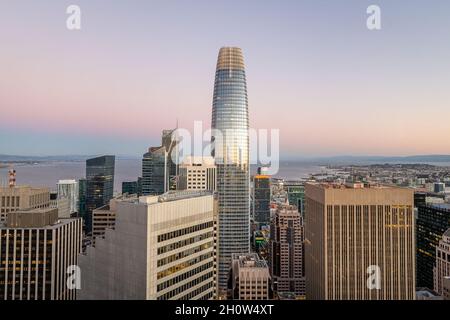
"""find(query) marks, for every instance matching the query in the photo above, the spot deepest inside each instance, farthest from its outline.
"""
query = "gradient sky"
(314, 71)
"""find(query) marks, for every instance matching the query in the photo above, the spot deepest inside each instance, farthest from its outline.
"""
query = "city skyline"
(315, 72)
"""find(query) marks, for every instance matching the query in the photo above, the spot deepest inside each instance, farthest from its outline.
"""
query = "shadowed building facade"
(230, 139)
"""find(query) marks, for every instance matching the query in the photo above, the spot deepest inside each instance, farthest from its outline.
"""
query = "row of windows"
(10, 201)
(183, 265)
(186, 242)
(182, 232)
(184, 276)
(183, 254)
(188, 285)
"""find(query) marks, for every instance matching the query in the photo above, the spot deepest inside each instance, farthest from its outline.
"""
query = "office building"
(261, 199)
(161, 248)
(36, 250)
(442, 265)
(230, 138)
(286, 257)
(99, 185)
(197, 173)
(296, 195)
(159, 169)
(250, 277)
(22, 197)
(105, 217)
(69, 189)
(62, 204)
(82, 191)
(439, 187)
(130, 187)
(432, 221)
(359, 242)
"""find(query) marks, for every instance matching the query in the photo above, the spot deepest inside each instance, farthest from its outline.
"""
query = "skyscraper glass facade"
(99, 185)
(230, 139)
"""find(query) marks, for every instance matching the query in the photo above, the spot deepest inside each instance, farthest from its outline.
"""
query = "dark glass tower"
(154, 171)
(230, 139)
(432, 221)
(99, 185)
(159, 171)
(261, 199)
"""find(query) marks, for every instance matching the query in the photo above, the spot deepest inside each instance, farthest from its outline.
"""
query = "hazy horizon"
(314, 71)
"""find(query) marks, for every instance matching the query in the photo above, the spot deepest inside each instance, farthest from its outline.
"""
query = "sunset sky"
(314, 71)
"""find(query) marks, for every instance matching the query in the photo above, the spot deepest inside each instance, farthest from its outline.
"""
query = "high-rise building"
(250, 277)
(82, 191)
(432, 221)
(22, 197)
(230, 140)
(197, 173)
(296, 195)
(69, 189)
(359, 242)
(286, 257)
(37, 249)
(99, 185)
(159, 170)
(442, 266)
(130, 187)
(105, 217)
(261, 199)
(62, 204)
(162, 247)
(154, 171)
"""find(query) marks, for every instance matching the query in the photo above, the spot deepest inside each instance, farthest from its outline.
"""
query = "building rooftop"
(172, 196)
(249, 260)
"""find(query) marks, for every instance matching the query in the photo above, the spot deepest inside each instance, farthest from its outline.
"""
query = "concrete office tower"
(36, 249)
(432, 221)
(21, 198)
(359, 242)
(250, 277)
(162, 247)
(442, 266)
(261, 199)
(62, 204)
(197, 173)
(230, 140)
(69, 189)
(99, 185)
(105, 217)
(286, 257)
(159, 167)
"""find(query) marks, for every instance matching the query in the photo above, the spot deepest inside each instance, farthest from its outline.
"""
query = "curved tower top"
(230, 58)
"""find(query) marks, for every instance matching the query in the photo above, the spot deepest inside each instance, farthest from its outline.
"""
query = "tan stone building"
(442, 267)
(250, 277)
(197, 173)
(359, 242)
(286, 258)
(21, 198)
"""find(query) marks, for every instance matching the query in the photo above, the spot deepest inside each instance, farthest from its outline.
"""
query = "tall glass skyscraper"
(99, 185)
(230, 139)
